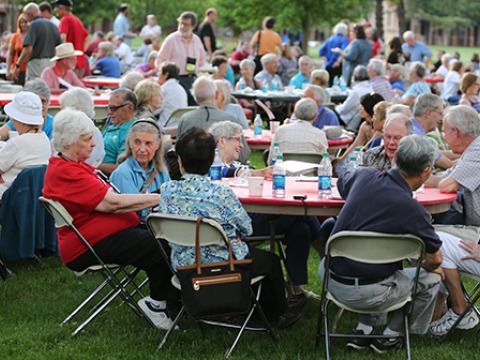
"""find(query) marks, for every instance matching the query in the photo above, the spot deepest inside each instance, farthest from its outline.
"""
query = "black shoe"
(286, 321)
(358, 343)
(381, 346)
(296, 303)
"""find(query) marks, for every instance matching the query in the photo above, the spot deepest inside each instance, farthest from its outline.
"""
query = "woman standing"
(14, 50)
(265, 41)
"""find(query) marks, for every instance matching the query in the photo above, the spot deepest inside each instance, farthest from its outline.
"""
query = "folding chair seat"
(180, 230)
(117, 279)
(371, 248)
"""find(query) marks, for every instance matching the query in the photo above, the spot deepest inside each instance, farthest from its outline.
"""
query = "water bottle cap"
(275, 144)
(279, 157)
(325, 154)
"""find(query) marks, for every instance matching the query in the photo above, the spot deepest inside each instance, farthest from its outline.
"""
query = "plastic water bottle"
(242, 86)
(265, 88)
(336, 82)
(278, 178)
(275, 153)
(216, 168)
(257, 127)
(356, 159)
(359, 159)
(274, 85)
(325, 177)
(343, 84)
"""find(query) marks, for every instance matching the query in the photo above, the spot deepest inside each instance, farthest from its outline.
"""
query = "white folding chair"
(115, 276)
(371, 248)
(180, 230)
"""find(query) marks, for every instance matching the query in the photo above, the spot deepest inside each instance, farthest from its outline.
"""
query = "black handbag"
(215, 289)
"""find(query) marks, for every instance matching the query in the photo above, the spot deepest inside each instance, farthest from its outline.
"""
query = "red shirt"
(79, 190)
(76, 34)
(237, 55)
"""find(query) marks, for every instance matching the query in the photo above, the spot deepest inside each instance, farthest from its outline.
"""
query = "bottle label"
(324, 183)
(215, 173)
(278, 182)
(257, 130)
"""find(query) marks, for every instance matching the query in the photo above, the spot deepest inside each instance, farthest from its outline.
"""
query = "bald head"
(31, 11)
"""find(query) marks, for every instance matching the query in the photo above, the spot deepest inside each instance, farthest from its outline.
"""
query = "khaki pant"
(35, 68)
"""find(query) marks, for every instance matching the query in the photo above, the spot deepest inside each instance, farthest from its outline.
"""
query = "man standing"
(39, 44)
(185, 49)
(204, 92)
(378, 82)
(206, 33)
(121, 109)
(121, 26)
(72, 31)
(46, 12)
(305, 67)
(418, 50)
(382, 202)
(382, 157)
(325, 116)
(462, 133)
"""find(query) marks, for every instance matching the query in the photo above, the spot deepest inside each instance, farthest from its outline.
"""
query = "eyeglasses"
(236, 138)
(116, 107)
(438, 112)
(390, 138)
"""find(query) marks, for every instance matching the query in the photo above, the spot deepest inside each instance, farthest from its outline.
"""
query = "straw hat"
(26, 108)
(65, 50)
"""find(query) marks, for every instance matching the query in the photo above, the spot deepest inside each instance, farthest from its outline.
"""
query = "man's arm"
(448, 185)
(444, 162)
(22, 59)
(432, 261)
(207, 40)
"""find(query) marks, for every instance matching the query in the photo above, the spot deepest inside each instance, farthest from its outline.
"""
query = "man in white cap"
(31, 147)
(61, 75)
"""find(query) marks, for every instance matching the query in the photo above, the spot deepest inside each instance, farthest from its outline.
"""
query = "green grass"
(38, 297)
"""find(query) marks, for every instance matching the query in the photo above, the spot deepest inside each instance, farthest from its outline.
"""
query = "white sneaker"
(444, 324)
(159, 318)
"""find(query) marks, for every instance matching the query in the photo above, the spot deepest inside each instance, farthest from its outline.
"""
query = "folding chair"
(116, 277)
(180, 230)
(177, 114)
(370, 248)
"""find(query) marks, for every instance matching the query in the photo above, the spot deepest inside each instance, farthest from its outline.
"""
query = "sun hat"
(65, 50)
(26, 108)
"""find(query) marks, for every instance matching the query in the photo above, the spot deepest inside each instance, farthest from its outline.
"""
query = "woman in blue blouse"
(142, 168)
(196, 196)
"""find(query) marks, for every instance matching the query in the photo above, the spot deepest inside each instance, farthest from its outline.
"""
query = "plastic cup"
(274, 126)
(255, 185)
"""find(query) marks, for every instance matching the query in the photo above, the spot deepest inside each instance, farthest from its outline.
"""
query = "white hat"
(26, 108)
(65, 50)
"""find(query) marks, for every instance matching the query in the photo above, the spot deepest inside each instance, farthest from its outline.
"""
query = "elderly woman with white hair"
(333, 62)
(80, 99)
(142, 167)
(247, 69)
(106, 219)
(31, 146)
(223, 101)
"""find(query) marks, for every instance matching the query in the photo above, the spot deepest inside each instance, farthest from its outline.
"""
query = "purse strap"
(258, 41)
(150, 179)
(197, 247)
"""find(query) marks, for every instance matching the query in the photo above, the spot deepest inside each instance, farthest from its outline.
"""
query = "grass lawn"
(38, 297)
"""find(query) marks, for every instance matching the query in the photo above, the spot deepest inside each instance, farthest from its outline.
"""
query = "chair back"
(59, 213)
(375, 248)
(307, 156)
(180, 229)
(177, 114)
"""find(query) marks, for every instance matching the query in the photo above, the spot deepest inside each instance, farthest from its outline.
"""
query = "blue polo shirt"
(298, 80)
(114, 138)
(381, 202)
(325, 117)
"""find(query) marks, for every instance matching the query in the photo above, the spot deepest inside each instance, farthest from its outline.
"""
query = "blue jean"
(299, 231)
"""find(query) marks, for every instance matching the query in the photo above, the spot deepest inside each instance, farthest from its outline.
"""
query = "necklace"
(64, 157)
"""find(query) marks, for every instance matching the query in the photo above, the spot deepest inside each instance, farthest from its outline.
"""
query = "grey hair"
(377, 66)
(79, 99)
(108, 47)
(38, 87)
(248, 62)
(306, 109)
(463, 118)
(408, 34)
(397, 118)
(189, 15)
(360, 73)
(127, 95)
(340, 29)
(153, 55)
(319, 93)
(414, 154)
(267, 58)
(224, 129)
(305, 57)
(204, 89)
(145, 126)
(419, 68)
(223, 86)
(130, 80)
(425, 102)
(68, 126)
(446, 58)
(399, 109)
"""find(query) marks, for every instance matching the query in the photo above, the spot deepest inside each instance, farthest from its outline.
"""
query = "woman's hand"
(472, 248)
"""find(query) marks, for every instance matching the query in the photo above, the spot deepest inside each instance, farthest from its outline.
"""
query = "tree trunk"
(306, 29)
(402, 21)
(379, 17)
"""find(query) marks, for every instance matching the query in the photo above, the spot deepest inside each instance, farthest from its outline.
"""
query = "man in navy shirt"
(383, 202)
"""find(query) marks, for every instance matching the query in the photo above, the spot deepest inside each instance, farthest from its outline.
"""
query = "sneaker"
(287, 321)
(381, 346)
(358, 343)
(296, 302)
(444, 324)
(158, 317)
